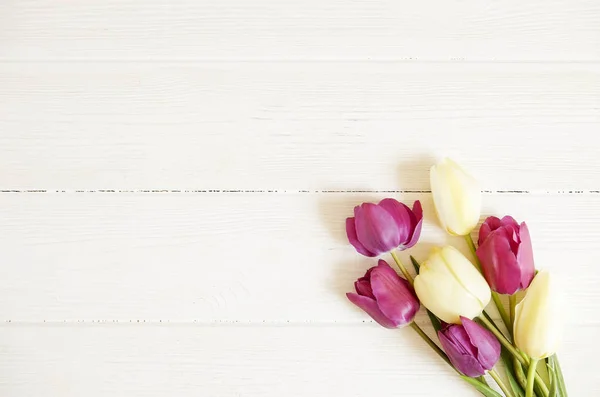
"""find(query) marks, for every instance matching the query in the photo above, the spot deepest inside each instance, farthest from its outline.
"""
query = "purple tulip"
(506, 254)
(379, 228)
(385, 296)
(472, 349)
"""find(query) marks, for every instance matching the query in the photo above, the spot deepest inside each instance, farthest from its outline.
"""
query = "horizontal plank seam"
(408, 60)
(7, 323)
(205, 323)
(274, 191)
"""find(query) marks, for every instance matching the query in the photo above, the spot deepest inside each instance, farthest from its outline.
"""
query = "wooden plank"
(237, 258)
(224, 361)
(296, 126)
(43, 30)
(148, 360)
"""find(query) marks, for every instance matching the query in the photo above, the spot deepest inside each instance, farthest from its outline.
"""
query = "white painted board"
(174, 178)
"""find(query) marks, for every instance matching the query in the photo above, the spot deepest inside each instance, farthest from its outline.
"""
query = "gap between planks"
(372, 60)
(277, 191)
(422, 322)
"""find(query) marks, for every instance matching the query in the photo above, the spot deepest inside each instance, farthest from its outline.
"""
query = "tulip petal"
(490, 224)
(511, 225)
(456, 197)
(525, 256)
(449, 286)
(370, 307)
(465, 363)
(458, 335)
(376, 228)
(402, 215)
(393, 294)
(538, 325)
(363, 287)
(418, 223)
(488, 347)
(509, 221)
(498, 263)
(353, 239)
(513, 238)
(467, 275)
(443, 203)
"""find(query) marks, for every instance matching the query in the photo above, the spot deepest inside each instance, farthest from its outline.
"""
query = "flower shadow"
(413, 174)
(334, 208)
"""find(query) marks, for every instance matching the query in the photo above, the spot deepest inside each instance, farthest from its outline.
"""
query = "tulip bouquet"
(457, 293)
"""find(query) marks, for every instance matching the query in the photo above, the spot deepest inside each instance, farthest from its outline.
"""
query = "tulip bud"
(538, 323)
(505, 254)
(385, 296)
(472, 349)
(456, 197)
(450, 287)
(380, 228)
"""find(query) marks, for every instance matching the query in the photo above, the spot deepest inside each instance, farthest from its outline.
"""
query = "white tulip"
(449, 286)
(538, 323)
(456, 197)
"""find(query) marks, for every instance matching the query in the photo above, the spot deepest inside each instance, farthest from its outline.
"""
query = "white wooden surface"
(175, 176)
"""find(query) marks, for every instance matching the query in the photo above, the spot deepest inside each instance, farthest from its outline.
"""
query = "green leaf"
(507, 359)
(553, 382)
(487, 316)
(483, 389)
(415, 264)
(437, 325)
(482, 380)
(520, 373)
(560, 381)
(514, 384)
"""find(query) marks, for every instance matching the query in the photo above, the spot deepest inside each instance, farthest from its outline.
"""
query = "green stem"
(522, 358)
(431, 343)
(407, 275)
(531, 377)
(512, 303)
(495, 295)
(540, 383)
(559, 377)
(479, 383)
(519, 373)
(502, 339)
(502, 311)
(471, 245)
(481, 387)
(489, 318)
(501, 384)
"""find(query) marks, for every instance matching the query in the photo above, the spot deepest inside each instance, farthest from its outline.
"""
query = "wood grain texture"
(237, 258)
(174, 178)
(469, 30)
(149, 360)
(297, 126)
(152, 360)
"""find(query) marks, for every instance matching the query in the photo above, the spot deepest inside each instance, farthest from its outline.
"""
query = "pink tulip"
(380, 228)
(472, 349)
(385, 296)
(506, 254)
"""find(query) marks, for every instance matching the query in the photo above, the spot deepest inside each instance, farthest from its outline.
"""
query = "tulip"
(450, 287)
(505, 254)
(472, 349)
(380, 228)
(538, 323)
(456, 197)
(385, 296)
